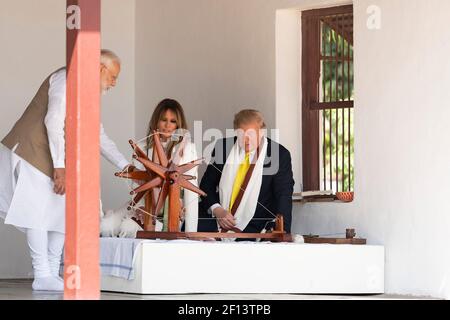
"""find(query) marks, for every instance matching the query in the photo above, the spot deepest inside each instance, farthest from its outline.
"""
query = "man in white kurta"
(33, 200)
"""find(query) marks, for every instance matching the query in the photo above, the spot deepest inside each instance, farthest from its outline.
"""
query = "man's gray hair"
(108, 57)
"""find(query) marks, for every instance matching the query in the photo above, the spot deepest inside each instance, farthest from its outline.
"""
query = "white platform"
(197, 267)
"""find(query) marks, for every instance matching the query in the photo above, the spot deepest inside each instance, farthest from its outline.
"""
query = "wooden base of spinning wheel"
(278, 235)
(209, 236)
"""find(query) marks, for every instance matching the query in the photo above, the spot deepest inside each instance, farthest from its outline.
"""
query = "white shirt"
(55, 123)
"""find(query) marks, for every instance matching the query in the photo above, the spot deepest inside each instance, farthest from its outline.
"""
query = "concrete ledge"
(201, 267)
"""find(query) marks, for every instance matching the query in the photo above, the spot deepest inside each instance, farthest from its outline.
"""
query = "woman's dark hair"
(158, 114)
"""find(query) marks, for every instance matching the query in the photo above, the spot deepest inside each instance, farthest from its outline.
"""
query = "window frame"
(311, 105)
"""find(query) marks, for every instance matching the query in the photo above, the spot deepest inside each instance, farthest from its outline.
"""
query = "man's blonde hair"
(249, 116)
(107, 57)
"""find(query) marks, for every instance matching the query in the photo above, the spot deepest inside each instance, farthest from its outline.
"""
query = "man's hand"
(224, 218)
(59, 180)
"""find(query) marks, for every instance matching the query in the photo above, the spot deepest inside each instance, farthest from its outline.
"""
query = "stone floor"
(21, 290)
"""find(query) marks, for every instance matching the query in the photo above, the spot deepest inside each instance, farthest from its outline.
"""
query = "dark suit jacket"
(276, 188)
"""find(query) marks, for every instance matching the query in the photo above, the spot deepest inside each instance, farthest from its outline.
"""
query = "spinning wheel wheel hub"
(173, 176)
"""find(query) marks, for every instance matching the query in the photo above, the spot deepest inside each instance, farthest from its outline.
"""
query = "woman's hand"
(59, 180)
(225, 219)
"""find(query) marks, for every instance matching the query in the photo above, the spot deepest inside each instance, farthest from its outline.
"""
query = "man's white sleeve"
(110, 151)
(56, 117)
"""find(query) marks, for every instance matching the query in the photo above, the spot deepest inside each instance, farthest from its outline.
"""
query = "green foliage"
(337, 126)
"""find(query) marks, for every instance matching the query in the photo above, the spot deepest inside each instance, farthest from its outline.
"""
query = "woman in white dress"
(168, 119)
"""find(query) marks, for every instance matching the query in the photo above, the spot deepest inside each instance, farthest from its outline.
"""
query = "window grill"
(328, 94)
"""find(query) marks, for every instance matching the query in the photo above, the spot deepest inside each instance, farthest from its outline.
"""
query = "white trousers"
(46, 249)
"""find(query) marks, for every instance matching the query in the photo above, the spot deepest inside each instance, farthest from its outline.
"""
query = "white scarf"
(247, 206)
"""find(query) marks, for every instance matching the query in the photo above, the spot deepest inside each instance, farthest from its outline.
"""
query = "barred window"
(327, 93)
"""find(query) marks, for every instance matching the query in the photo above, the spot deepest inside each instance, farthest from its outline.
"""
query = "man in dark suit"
(248, 182)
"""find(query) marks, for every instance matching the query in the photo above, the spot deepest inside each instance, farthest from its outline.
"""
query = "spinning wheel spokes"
(162, 197)
(137, 198)
(160, 150)
(189, 166)
(184, 183)
(134, 175)
(156, 182)
(138, 150)
(156, 168)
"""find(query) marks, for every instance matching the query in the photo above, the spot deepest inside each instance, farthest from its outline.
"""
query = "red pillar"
(81, 262)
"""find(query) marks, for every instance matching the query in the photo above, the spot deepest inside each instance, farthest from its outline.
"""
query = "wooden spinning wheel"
(164, 174)
(160, 173)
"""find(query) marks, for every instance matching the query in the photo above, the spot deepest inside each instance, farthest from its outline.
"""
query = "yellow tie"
(240, 176)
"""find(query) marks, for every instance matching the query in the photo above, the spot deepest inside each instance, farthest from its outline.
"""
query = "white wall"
(397, 195)
(401, 148)
(219, 56)
(208, 54)
(288, 83)
(28, 54)
(32, 34)
(118, 112)
(215, 57)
